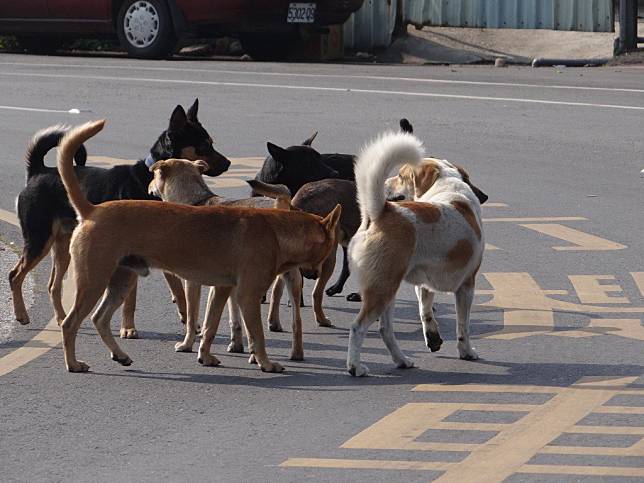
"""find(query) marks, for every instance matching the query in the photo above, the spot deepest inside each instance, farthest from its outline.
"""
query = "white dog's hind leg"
(371, 309)
(464, 297)
(389, 337)
(430, 326)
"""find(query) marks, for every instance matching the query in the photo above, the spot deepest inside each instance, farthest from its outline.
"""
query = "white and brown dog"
(434, 242)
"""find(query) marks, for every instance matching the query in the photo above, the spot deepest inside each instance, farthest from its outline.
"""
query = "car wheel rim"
(141, 24)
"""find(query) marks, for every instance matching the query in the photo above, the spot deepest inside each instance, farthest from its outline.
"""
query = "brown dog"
(229, 248)
(181, 181)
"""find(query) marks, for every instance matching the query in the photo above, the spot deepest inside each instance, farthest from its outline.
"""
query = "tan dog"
(181, 181)
(229, 248)
(434, 242)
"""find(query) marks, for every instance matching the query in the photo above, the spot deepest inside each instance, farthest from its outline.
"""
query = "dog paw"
(434, 341)
(128, 333)
(23, 319)
(354, 297)
(275, 326)
(467, 353)
(235, 347)
(331, 291)
(358, 371)
(272, 367)
(324, 322)
(252, 359)
(297, 355)
(183, 347)
(77, 366)
(405, 363)
(124, 361)
(208, 360)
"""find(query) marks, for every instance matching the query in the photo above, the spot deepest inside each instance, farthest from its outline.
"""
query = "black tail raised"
(42, 142)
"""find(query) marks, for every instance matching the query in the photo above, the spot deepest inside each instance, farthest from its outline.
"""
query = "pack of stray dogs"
(422, 225)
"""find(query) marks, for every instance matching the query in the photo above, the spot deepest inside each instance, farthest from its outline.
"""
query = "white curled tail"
(376, 161)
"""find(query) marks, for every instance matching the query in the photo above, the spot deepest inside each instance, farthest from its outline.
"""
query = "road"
(558, 393)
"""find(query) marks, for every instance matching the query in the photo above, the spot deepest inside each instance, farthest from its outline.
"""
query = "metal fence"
(372, 25)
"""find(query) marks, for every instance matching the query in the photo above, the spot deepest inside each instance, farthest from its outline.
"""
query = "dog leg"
(274, 323)
(426, 310)
(87, 294)
(464, 297)
(216, 301)
(389, 337)
(61, 259)
(374, 304)
(251, 311)
(318, 290)
(128, 331)
(193, 297)
(294, 283)
(178, 295)
(338, 286)
(120, 286)
(236, 344)
(17, 276)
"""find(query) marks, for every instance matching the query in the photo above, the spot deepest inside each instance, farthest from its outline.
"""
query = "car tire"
(265, 46)
(39, 45)
(144, 28)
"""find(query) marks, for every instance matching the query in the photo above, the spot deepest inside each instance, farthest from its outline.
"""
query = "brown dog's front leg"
(178, 295)
(216, 302)
(294, 283)
(250, 306)
(236, 344)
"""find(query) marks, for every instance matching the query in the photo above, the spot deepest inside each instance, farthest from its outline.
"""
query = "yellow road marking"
(42, 342)
(630, 328)
(505, 453)
(254, 161)
(636, 449)
(399, 430)
(487, 388)
(580, 470)
(364, 464)
(515, 443)
(9, 217)
(494, 205)
(639, 281)
(590, 291)
(579, 239)
(626, 430)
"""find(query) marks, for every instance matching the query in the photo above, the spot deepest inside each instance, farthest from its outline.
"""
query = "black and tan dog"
(47, 219)
(241, 249)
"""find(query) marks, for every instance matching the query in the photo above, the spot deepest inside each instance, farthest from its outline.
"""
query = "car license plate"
(301, 13)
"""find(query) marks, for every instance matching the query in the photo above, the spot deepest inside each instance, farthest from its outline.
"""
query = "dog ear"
(479, 194)
(309, 140)
(405, 126)
(178, 119)
(202, 165)
(330, 221)
(158, 179)
(192, 112)
(279, 154)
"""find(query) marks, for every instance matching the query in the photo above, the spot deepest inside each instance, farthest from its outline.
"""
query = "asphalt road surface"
(558, 394)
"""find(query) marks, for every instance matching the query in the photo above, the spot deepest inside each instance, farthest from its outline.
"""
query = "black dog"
(296, 166)
(47, 219)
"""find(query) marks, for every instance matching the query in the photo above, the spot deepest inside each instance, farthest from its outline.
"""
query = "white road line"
(332, 76)
(33, 109)
(326, 89)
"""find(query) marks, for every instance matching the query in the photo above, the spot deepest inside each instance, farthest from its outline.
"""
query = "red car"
(152, 28)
